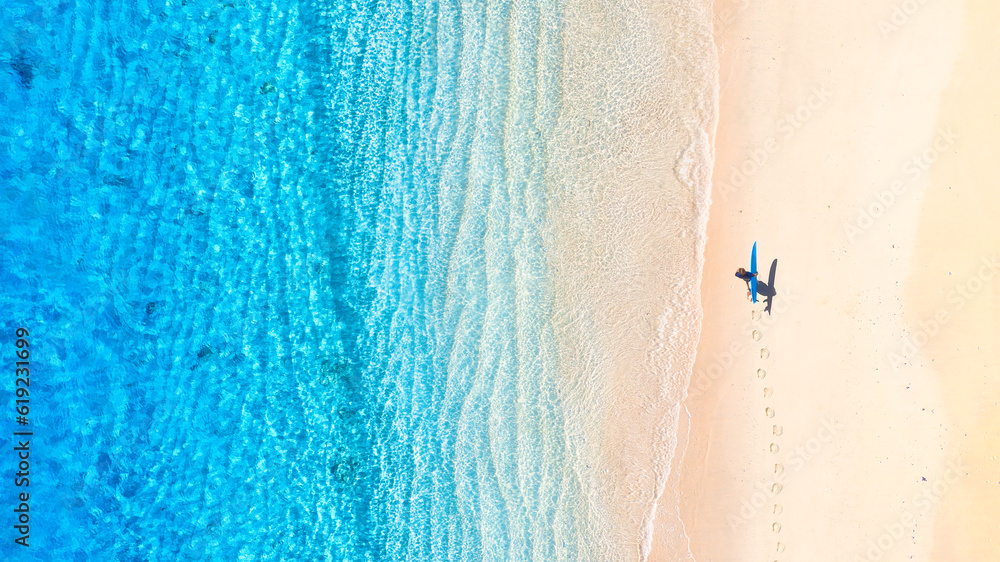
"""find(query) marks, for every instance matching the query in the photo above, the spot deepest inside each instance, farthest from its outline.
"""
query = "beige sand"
(955, 277)
(849, 131)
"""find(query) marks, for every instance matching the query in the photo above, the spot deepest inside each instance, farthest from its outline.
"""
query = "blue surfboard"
(753, 269)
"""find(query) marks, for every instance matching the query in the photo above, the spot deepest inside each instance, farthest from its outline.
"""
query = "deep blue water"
(285, 282)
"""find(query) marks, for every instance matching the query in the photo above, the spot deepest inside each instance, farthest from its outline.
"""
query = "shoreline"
(629, 176)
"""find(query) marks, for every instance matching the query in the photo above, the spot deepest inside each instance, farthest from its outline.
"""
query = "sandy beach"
(852, 413)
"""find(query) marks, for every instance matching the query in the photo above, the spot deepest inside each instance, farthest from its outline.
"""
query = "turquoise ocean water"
(284, 268)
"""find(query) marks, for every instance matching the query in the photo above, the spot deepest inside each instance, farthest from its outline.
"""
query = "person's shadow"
(767, 289)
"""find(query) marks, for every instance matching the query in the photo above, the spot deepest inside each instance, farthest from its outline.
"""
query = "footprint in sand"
(775, 429)
(755, 315)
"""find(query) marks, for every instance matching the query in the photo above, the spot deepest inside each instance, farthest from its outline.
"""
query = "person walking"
(746, 276)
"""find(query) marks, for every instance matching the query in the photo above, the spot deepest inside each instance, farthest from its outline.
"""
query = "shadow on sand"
(767, 290)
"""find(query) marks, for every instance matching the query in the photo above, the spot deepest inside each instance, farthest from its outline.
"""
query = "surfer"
(746, 276)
